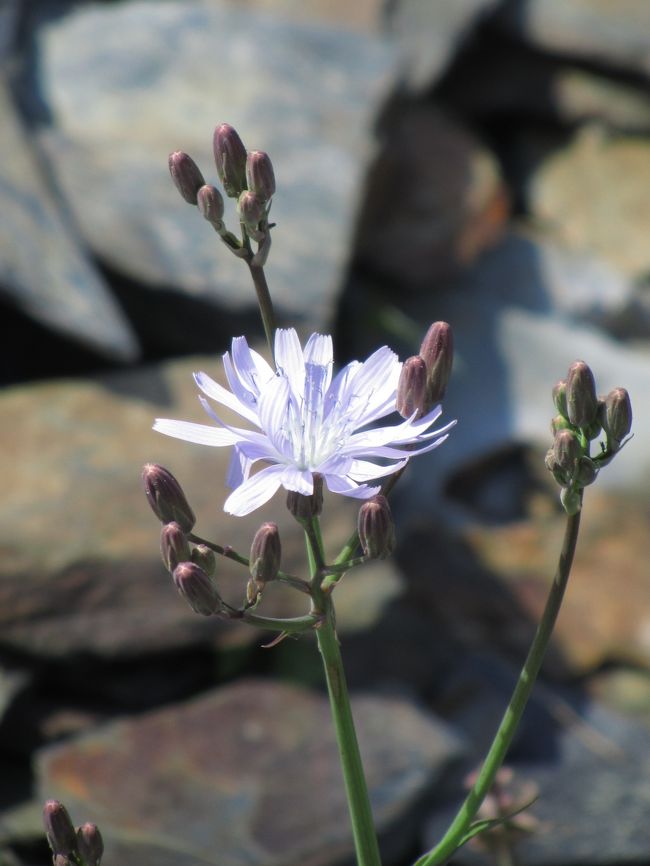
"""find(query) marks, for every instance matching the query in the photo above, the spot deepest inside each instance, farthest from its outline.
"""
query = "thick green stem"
(265, 303)
(454, 836)
(356, 789)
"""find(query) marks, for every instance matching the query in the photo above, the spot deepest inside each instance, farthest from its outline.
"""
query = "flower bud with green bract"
(582, 402)
(61, 835)
(412, 388)
(90, 844)
(437, 350)
(196, 588)
(566, 451)
(251, 212)
(305, 507)
(166, 498)
(570, 499)
(376, 528)
(617, 416)
(205, 559)
(266, 553)
(560, 423)
(260, 178)
(586, 472)
(559, 398)
(210, 203)
(230, 159)
(186, 175)
(174, 546)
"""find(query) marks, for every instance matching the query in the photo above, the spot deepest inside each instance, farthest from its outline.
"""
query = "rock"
(162, 79)
(434, 201)
(625, 690)
(265, 789)
(12, 683)
(430, 33)
(81, 571)
(591, 197)
(43, 268)
(591, 30)
(363, 16)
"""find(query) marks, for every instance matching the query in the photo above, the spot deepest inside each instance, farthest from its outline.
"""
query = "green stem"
(454, 836)
(292, 625)
(265, 304)
(356, 789)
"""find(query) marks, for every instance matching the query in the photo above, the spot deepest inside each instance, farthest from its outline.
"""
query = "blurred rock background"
(483, 162)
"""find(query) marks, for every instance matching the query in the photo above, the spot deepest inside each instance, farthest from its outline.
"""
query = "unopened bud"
(566, 450)
(570, 499)
(376, 528)
(412, 388)
(61, 835)
(305, 507)
(166, 497)
(90, 844)
(437, 349)
(205, 559)
(186, 175)
(582, 402)
(210, 203)
(559, 398)
(196, 588)
(617, 415)
(251, 212)
(586, 472)
(174, 546)
(63, 860)
(230, 159)
(260, 178)
(560, 423)
(266, 553)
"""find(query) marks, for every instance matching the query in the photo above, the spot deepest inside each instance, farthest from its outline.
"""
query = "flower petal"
(254, 492)
(337, 484)
(217, 392)
(201, 434)
(300, 480)
(365, 470)
(289, 359)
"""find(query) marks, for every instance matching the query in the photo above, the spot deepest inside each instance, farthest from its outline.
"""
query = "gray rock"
(430, 33)
(81, 570)
(128, 83)
(245, 775)
(593, 30)
(43, 269)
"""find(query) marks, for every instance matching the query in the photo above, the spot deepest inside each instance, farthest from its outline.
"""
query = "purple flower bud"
(566, 451)
(437, 349)
(63, 860)
(376, 528)
(174, 546)
(560, 423)
(412, 388)
(205, 559)
(559, 398)
(210, 203)
(196, 588)
(251, 212)
(260, 178)
(166, 497)
(59, 830)
(90, 844)
(586, 472)
(266, 552)
(186, 175)
(230, 159)
(617, 415)
(582, 402)
(305, 507)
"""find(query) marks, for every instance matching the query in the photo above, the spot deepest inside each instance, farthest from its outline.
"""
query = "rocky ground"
(481, 162)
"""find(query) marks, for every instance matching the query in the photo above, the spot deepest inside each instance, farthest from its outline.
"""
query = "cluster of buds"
(424, 377)
(192, 567)
(583, 417)
(80, 846)
(245, 176)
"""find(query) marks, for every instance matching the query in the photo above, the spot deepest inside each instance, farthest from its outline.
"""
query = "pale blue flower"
(307, 421)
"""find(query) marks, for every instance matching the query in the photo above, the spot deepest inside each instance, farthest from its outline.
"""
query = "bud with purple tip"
(376, 528)
(186, 175)
(566, 451)
(166, 497)
(61, 835)
(266, 553)
(251, 212)
(90, 844)
(210, 203)
(304, 507)
(412, 388)
(616, 416)
(205, 559)
(230, 159)
(582, 402)
(260, 178)
(196, 588)
(559, 398)
(437, 350)
(174, 546)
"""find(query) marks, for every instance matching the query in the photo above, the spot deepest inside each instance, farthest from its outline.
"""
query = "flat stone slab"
(245, 775)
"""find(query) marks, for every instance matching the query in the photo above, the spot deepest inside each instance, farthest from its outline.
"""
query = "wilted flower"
(307, 421)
